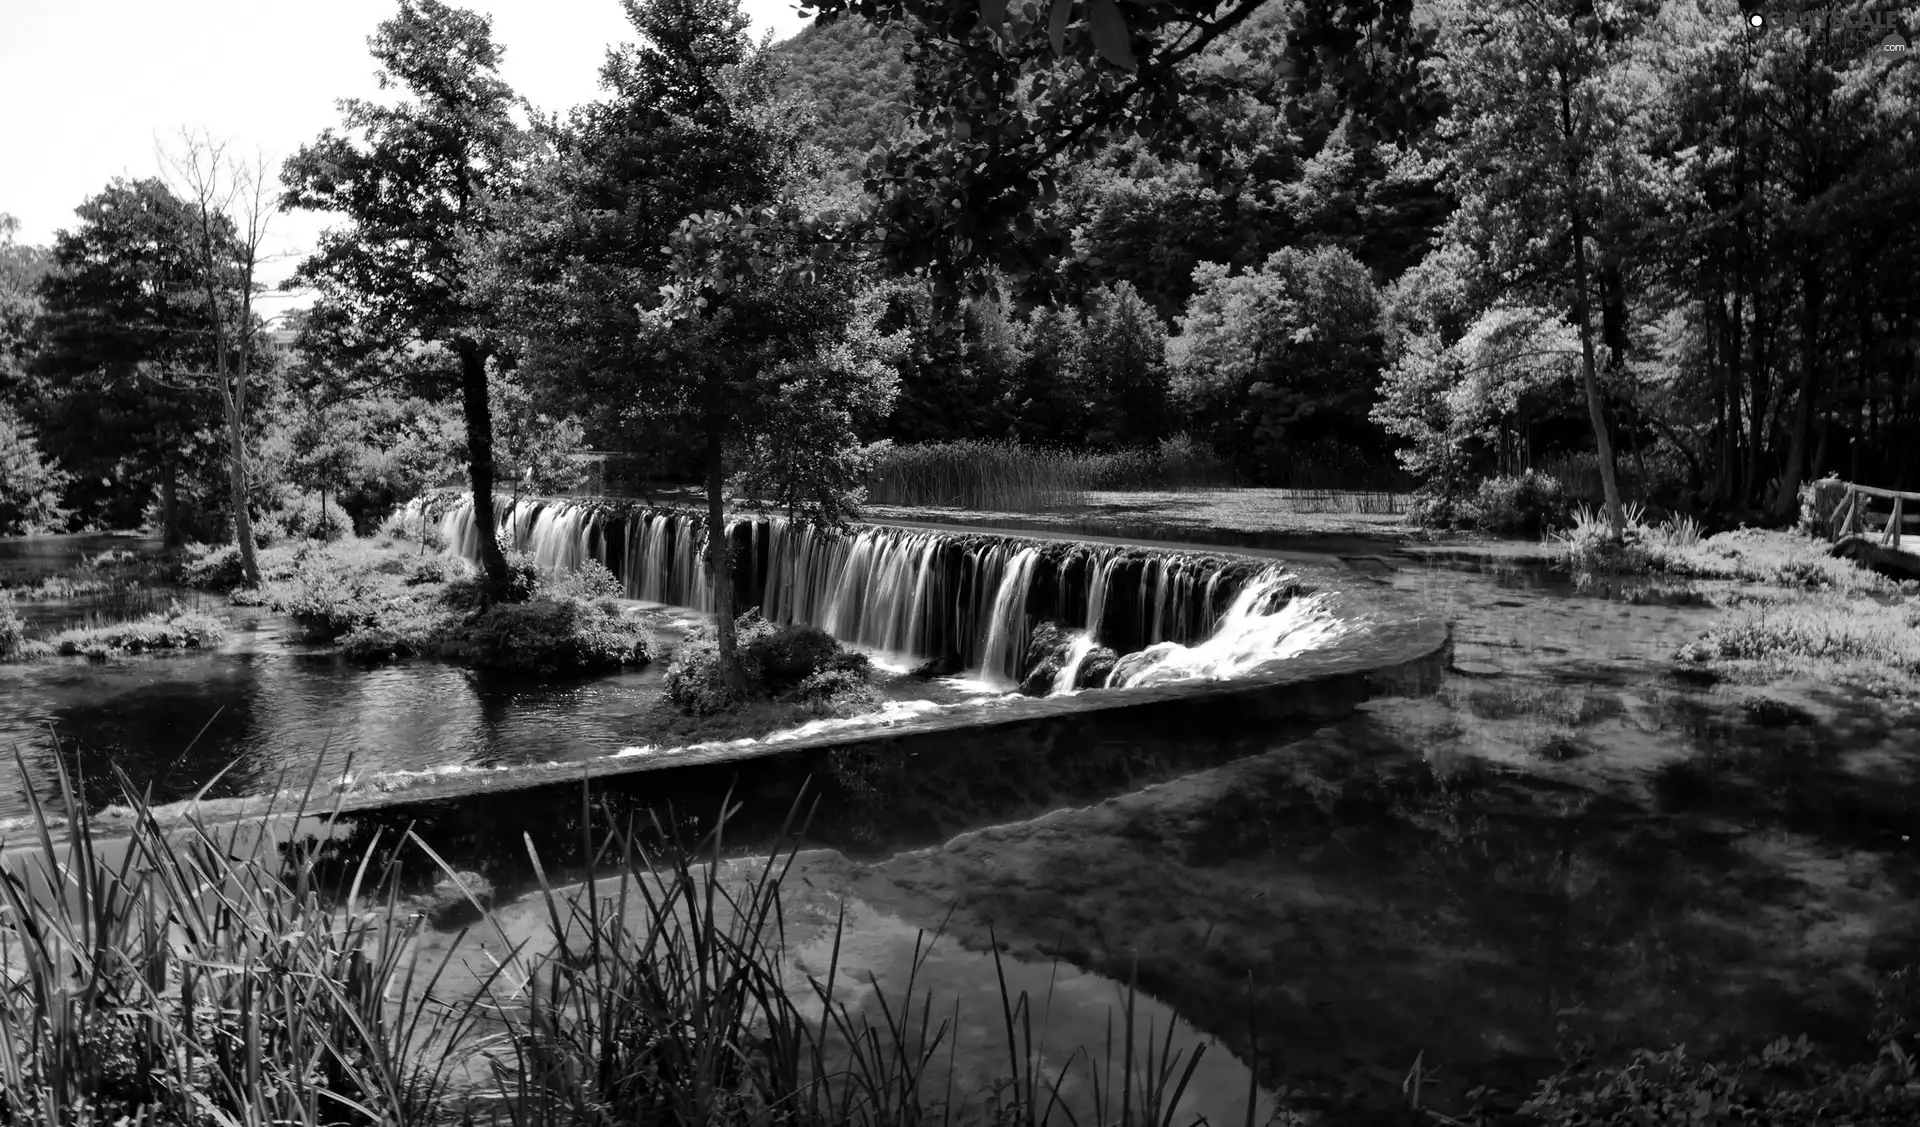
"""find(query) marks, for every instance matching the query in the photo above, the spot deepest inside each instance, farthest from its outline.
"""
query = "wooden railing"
(1851, 518)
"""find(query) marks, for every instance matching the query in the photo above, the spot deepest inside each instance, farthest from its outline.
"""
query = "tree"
(1541, 110)
(228, 204)
(419, 184)
(760, 342)
(1123, 366)
(1284, 360)
(670, 272)
(30, 488)
(122, 315)
(21, 268)
(533, 449)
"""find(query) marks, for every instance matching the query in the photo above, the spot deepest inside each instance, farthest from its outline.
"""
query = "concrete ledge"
(872, 793)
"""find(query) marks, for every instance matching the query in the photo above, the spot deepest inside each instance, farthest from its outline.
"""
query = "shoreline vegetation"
(664, 994)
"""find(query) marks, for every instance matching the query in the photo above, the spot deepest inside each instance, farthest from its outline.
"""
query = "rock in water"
(1039, 679)
(451, 904)
(1094, 670)
(947, 665)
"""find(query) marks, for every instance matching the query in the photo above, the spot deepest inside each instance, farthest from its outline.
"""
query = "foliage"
(793, 662)
(856, 81)
(120, 329)
(14, 644)
(213, 568)
(30, 488)
(174, 629)
(1123, 367)
(1010, 477)
(1278, 365)
(545, 635)
(417, 183)
(537, 452)
(1528, 504)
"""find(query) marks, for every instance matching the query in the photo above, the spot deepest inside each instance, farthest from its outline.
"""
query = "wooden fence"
(1853, 517)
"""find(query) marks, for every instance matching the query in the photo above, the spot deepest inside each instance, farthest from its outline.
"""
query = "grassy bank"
(385, 598)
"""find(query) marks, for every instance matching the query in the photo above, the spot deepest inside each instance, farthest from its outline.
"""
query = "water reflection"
(174, 723)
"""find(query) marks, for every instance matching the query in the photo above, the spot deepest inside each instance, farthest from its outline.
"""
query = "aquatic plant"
(176, 628)
(198, 974)
(1010, 477)
(14, 644)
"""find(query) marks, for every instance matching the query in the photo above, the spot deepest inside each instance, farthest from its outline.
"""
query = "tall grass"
(1009, 477)
(189, 975)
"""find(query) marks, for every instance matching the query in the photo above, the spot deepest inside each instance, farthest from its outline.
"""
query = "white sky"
(90, 86)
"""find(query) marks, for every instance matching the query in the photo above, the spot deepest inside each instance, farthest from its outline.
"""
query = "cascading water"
(1006, 634)
(920, 594)
(1262, 626)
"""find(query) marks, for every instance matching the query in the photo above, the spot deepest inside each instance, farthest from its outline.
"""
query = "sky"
(92, 88)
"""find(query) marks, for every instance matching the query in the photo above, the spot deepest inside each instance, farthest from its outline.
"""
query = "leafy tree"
(1283, 361)
(1050, 401)
(533, 449)
(1123, 366)
(21, 268)
(418, 184)
(122, 319)
(30, 488)
(669, 272)
(1542, 108)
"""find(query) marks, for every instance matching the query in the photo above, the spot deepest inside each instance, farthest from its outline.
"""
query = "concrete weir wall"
(874, 792)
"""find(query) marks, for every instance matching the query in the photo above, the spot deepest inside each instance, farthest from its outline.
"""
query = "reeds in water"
(193, 975)
(1009, 477)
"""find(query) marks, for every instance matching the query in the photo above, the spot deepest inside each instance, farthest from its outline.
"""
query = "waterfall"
(917, 593)
(1007, 630)
(1263, 625)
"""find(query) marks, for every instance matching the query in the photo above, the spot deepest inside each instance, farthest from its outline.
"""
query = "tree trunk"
(720, 560)
(169, 507)
(479, 419)
(237, 472)
(1583, 318)
(1789, 493)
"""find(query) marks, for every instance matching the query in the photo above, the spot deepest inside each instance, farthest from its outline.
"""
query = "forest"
(1559, 250)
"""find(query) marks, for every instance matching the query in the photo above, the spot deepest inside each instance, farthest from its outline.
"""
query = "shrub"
(546, 635)
(524, 580)
(1435, 506)
(328, 600)
(13, 629)
(214, 569)
(437, 568)
(1526, 505)
(591, 580)
(175, 629)
(1819, 504)
(305, 520)
(790, 662)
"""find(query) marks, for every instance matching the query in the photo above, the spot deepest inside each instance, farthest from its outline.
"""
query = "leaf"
(1110, 33)
(1057, 26)
(993, 14)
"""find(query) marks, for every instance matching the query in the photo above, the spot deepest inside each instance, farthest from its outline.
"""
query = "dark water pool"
(175, 722)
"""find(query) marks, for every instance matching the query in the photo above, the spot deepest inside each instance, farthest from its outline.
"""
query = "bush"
(175, 629)
(524, 581)
(304, 520)
(214, 569)
(437, 569)
(790, 662)
(546, 635)
(1526, 505)
(591, 580)
(13, 629)
(1436, 506)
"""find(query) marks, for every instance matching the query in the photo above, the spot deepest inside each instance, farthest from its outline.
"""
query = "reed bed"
(1009, 477)
(194, 975)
